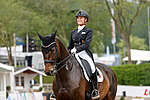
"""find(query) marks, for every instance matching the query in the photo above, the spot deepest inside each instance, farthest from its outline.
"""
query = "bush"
(8, 88)
(133, 74)
(122, 98)
(41, 88)
(46, 79)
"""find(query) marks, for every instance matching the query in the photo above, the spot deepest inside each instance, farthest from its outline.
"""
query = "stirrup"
(95, 94)
(52, 97)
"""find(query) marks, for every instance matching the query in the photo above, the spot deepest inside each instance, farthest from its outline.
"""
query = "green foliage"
(135, 42)
(46, 16)
(62, 18)
(101, 25)
(8, 88)
(30, 16)
(126, 75)
(46, 79)
(140, 27)
(124, 16)
(122, 98)
(133, 74)
(127, 12)
(138, 43)
(97, 45)
(41, 88)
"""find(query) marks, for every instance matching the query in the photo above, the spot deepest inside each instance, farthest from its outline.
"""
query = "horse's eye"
(46, 51)
(53, 49)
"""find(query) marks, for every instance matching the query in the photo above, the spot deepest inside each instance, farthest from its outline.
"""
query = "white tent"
(139, 55)
(108, 60)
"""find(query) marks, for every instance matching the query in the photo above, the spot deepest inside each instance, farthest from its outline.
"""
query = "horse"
(69, 82)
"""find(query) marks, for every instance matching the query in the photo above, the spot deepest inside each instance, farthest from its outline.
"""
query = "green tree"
(7, 18)
(99, 21)
(124, 18)
(15, 18)
(46, 16)
(136, 43)
(62, 18)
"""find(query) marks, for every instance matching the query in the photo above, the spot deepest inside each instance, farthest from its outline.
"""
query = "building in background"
(6, 79)
(25, 59)
(110, 60)
(18, 79)
(138, 56)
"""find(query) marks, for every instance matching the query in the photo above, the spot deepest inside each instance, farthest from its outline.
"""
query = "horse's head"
(49, 50)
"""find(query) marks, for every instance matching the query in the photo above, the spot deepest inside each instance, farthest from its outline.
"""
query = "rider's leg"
(93, 78)
(95, 92)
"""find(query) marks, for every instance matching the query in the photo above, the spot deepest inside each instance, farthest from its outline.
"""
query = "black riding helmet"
(82, 13)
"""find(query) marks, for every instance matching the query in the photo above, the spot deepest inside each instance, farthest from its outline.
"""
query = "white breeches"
(83, 54)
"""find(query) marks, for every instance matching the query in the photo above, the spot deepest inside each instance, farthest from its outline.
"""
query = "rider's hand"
(74, 50)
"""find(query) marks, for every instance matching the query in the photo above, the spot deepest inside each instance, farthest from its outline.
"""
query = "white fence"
(2, 95)
(134, 91)
(26, 96)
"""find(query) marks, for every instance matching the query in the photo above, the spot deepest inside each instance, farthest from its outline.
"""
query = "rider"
(80, 42)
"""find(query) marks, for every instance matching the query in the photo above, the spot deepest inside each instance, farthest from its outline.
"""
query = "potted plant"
(8, 88)
(40, 89)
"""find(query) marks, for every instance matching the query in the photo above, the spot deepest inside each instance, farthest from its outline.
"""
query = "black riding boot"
(95, 92)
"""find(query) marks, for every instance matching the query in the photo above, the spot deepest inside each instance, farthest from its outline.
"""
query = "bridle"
(57, 64)
(50, 46)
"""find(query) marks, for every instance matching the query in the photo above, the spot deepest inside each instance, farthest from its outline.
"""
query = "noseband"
(56, 63)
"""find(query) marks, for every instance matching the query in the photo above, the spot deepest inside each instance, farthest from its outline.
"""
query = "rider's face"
(81, 20)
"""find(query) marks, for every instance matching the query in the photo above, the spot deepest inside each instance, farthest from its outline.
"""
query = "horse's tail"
(113, 81)
(113, 84)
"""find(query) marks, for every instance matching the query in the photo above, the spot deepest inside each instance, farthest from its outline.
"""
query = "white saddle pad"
(99, 78)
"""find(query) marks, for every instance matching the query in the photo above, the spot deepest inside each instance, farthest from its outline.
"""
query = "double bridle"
(56, 63)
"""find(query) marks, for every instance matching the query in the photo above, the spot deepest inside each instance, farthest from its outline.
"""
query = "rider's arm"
(86, 44)
(71, 44)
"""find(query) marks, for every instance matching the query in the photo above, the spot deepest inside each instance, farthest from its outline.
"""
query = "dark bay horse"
(69, 82)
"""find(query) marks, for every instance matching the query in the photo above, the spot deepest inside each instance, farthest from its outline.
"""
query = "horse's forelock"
(47, 40)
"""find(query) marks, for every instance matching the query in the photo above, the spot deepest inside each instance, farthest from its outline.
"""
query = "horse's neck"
(73, 72)
(62, 51)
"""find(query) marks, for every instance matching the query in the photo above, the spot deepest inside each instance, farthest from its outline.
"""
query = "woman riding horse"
(80, 43)
(69, 82)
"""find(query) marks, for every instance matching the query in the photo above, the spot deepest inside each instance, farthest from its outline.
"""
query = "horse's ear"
(41, 37)
(55, 31)
(54, 34)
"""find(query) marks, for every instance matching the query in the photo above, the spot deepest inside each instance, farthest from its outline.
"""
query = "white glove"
(73, 50)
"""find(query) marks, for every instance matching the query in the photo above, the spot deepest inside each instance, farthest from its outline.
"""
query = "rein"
(63, 66)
